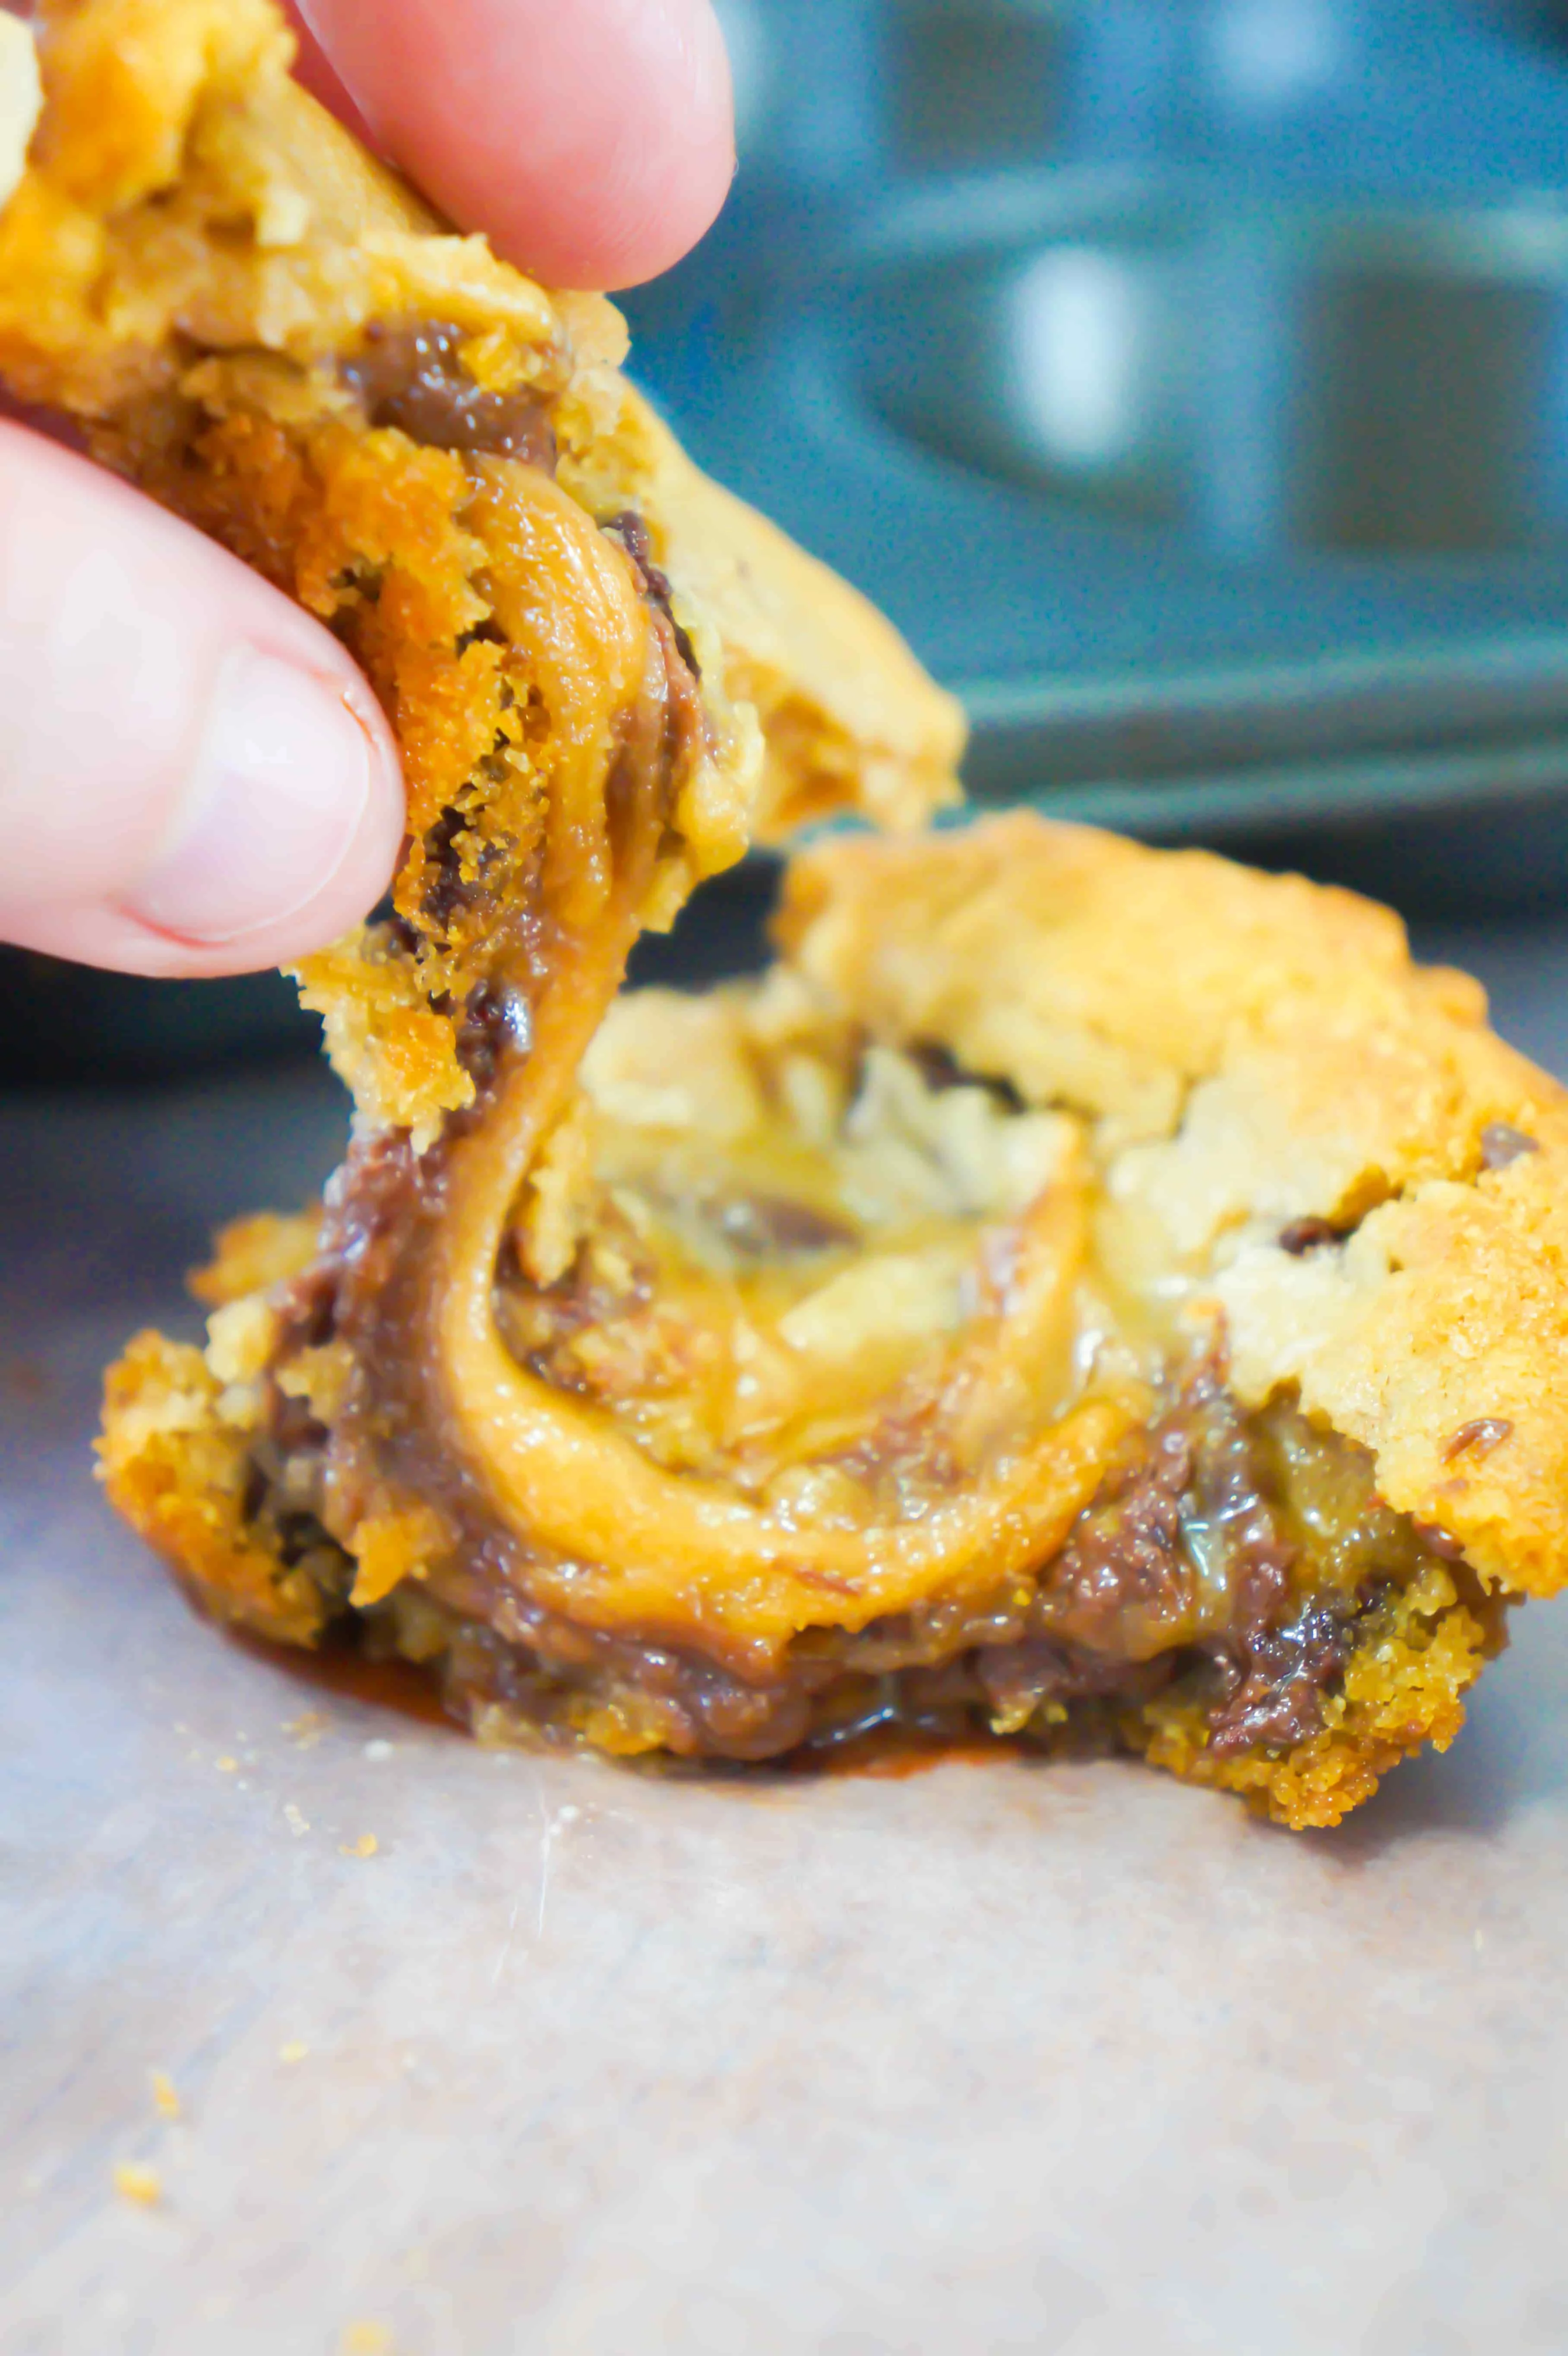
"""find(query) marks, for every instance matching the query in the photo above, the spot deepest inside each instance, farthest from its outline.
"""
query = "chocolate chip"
(299, 1534)
(496, 1021)
(632, 532)
(1502, 1143)
(1307, 1235)
(253, 1496)
(771, 1225)
(630, 529)
(940, 1069)
(1477, 1438)
(938, 1066)
(485, 632)
(450, 892)
(293, 1426)
(1278, 1700)
(308, 1308)
(1433, 1536)
(413, 378)
(400, 934)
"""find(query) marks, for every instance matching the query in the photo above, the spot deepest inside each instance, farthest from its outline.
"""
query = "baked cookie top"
(1321, 1136)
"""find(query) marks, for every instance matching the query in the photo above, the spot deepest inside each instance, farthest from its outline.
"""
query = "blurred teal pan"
(1326, 743)
(1230, 513)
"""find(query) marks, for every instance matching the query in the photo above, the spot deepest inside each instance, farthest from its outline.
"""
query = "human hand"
(194, 776)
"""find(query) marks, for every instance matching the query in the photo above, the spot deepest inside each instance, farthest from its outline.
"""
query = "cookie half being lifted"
(1080, 1292)
(606, 674)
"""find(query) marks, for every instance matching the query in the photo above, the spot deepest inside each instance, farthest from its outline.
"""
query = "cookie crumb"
(166, 2095)
(297, 1823)
(1303, 1236)
(135, 2182)
(365, 1846)
(367, 2340)
(228, 1764)
(306, 1731)
(294, 2051)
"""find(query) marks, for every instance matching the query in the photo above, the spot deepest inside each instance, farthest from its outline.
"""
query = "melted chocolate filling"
(1203, 1502)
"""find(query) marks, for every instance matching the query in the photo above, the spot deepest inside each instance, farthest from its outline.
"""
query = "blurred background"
(1188, 380)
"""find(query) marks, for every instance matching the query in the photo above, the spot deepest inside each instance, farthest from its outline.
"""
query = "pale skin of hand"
(194, 778)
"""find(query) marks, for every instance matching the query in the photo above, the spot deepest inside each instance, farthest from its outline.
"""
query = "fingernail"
(281, 785)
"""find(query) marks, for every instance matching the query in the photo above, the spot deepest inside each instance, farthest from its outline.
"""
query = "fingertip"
(314, 71)
(594, 143)
(194, 778)
(290, 820)
(167, 930)
(664, 187)
(162, 939)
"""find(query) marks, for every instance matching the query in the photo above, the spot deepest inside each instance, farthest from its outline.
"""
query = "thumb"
(194, 776)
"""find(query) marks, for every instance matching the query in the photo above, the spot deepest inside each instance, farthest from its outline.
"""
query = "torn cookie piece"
(606, 676)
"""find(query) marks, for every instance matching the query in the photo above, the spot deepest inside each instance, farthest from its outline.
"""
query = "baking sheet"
(1001, 2057)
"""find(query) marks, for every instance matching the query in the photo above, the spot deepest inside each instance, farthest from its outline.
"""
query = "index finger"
(592, 140)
